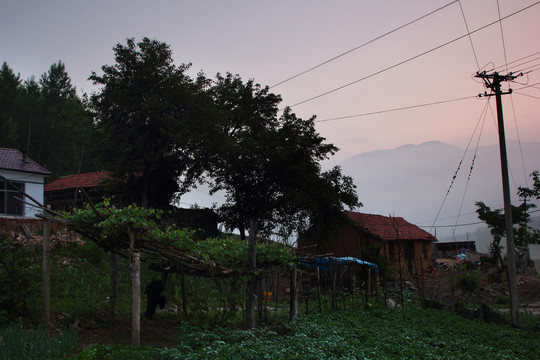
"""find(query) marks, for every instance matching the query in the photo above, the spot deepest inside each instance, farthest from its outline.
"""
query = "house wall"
(33, 187)
(354, 242)
(351, 242)
(420, 254)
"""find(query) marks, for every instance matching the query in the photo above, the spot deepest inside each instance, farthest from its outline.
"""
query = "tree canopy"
(269, 164)
(147, 114)
(46, 119)
(523, 233)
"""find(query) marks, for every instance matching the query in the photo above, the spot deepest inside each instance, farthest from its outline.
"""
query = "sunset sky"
(272, 41)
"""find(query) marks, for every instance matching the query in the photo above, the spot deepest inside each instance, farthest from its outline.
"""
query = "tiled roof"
(92, 179)
(12, 159)
(389, 228)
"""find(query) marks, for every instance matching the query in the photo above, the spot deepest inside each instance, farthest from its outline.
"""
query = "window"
(10, 198)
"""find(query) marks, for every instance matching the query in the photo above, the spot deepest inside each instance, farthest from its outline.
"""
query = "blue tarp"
(324, 263)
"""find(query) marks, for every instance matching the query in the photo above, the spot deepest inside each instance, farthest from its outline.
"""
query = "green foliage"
(523, 234)
(46, 118)
(148, 116)
(80, 282)
(17, 343)
(232, 253)
(19, 267)
(376, 333)
(253, 163)
(467, 281)
(115, 352)
(108, 225)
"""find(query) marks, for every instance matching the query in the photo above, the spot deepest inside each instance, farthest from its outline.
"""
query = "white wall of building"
(34, 184)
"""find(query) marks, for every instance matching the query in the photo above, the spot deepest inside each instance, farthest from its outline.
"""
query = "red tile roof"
(92, 179)
(389, 228)
(12, 159)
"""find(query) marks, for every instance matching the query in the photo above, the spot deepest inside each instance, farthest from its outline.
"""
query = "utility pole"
(493, 82)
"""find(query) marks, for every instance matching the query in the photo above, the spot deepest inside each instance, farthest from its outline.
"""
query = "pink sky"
(273, 40)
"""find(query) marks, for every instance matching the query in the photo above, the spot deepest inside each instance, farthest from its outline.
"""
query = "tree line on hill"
(46, 119)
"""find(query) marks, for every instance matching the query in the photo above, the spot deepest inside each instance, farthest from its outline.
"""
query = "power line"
(364, 44)
(514, 61)
(472, 164)
(513, 67)
(470, 38)
(413, 57)
(482, 115)
(531, 96)
(511, 97)
(451, 226)
(396, 109)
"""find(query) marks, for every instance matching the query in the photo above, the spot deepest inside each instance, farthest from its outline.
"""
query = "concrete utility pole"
(493, 82)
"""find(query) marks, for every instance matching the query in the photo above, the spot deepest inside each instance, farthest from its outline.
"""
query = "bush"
(467, 282)
(19, 267)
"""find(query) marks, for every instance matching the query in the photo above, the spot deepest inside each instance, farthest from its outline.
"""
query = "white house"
(19, 172)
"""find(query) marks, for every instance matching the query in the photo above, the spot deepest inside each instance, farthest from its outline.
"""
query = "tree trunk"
(144, 192)
(251, 283)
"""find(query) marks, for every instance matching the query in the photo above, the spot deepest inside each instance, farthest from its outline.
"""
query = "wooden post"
(276, 293)
(136, 298)
(251, 283)
(134, 258)
(369, 283)
(293, 311)
(334, 274)
(319, 288)
(183, 291)
(113, 275)
(46, 270)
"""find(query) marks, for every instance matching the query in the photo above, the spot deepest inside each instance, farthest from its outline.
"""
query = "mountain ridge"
(412, 181)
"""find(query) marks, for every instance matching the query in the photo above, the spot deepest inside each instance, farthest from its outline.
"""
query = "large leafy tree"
(269, 168)
(147, 115)
(247, 114)
(269, 165)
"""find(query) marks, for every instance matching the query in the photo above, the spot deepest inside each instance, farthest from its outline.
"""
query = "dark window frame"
(10, 198)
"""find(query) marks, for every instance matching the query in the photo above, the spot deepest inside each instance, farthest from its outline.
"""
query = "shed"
(406, 246)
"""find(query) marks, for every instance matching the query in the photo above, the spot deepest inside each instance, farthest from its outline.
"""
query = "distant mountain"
(412, 181)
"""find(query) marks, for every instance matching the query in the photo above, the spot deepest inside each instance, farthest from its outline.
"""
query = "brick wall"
(13, 225)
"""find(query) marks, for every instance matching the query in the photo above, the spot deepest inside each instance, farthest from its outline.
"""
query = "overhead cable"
(531, 96)
(413, 57)
(482, 115)
(511, 98)
(364, 44)
(395, 109)
(470, 38)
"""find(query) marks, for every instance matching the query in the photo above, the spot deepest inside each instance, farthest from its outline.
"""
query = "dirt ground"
(439, 286)
(158, 332)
